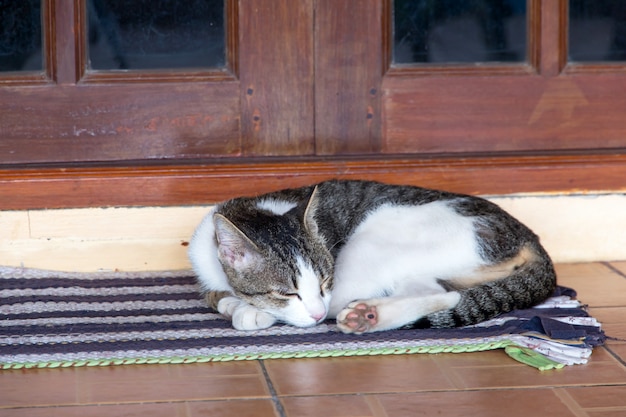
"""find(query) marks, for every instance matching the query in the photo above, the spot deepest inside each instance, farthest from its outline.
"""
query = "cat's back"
(367, 194)
(345, 204)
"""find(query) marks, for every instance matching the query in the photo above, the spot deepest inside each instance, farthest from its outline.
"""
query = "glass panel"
(459, 31)
(597, 30)
(151, 34)
(20, 35)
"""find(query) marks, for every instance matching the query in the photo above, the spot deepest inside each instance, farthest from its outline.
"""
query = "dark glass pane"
(597, 30)
(20, 35)
(152, 34)
(459, 31)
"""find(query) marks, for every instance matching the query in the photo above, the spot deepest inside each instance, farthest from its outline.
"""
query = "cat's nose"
(318, 317)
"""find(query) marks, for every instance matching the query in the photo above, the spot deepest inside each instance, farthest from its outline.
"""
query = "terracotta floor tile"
(356, 375)
(598, 397)
(126, 410)
(327, 406)
(171, 382)
(495, 357)
(211, 369)
(596, 284)
(126, 383)
(599, 354)
(613, 321)
(619, 350)
(242, 408)
(52, 387)
(468, 384)
(608, 413)
(602, 368)
(509, 403)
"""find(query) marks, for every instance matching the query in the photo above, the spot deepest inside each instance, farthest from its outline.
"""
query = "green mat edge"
(544, 363)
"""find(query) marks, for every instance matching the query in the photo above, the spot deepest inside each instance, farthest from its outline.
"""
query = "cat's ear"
(310, 224)
(234, 248)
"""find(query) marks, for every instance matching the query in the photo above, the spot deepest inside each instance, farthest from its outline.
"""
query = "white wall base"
(573, 228)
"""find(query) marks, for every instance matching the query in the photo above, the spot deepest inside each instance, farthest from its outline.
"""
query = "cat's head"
(278, 262)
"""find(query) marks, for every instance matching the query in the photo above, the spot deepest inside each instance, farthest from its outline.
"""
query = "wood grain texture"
(68, 49)
(70, 114)
(276, 73)
(553, 38)
(544, 106)
(464, 113)
(205, 184)
(118, 122)
(306, 78)
(348, 56)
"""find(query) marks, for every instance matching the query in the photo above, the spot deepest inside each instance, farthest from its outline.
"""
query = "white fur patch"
(394, 312)
(309, 290)
(278, 207)
(202, 253)
(403, 250)
(243, 315)
(311, 308)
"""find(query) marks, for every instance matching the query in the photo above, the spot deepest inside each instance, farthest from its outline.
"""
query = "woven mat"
(52, 319)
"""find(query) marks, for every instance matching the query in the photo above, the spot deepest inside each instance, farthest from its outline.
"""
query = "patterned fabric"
(52, 319)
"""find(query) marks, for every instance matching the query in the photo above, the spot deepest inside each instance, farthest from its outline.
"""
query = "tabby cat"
(374, 256)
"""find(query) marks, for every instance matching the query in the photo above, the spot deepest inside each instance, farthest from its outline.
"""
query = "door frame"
(328, 147)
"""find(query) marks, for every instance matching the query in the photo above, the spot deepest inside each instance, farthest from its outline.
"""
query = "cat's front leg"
(243, 315)
(388, 313)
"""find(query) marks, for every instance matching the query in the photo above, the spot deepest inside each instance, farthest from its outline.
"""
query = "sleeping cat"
(373, 256)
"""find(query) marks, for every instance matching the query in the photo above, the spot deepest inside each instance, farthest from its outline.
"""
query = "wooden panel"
(494, 108)
(276, 73)
(67, 29)
(349, 55)
(118, 122)
(185, 185)
(87, 116)
(553, 36)
(449, 114)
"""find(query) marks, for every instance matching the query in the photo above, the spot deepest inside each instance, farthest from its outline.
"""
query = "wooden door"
(545, 123)
(306, 90)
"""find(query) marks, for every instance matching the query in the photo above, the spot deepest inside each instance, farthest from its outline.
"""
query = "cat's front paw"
(251, 318)
(243, 315)
(359, 317)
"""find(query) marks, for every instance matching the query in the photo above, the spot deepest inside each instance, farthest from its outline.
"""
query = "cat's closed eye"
(286, 295)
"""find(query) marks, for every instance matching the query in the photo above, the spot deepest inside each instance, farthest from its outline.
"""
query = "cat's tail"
(526, 286)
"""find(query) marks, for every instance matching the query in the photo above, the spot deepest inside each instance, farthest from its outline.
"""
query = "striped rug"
(52, 319)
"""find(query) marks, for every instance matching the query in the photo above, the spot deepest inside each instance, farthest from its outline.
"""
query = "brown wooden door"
(544, 104)
(545, 123)
(308, 90)
(75, 114)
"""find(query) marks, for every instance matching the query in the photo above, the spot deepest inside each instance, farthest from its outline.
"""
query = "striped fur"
(409, 256)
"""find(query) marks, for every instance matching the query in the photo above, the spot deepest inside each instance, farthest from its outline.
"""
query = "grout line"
(183, 409)
(612, 268)
(375, 406)
(570, 402)
(449, 373)
(615, 355)
(270, 386)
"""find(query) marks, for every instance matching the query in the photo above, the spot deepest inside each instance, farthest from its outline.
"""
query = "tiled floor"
(470, 384)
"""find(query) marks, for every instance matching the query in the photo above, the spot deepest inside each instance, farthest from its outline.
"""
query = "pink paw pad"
(361, 318)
